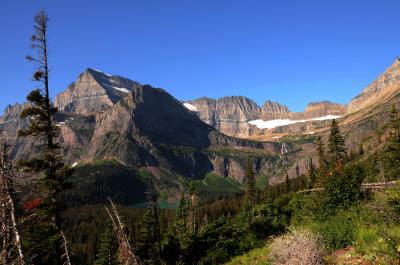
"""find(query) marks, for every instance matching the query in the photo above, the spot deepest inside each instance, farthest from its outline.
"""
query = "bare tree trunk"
(10, 233)
(65, 247)
(126, 254)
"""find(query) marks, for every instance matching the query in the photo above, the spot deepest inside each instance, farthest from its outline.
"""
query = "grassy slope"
(374, 225)
(214, 183)
(258, 256)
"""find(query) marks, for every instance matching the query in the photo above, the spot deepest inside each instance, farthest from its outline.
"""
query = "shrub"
(394, 197)
(343, 189)
(299, 247)
(338, 231)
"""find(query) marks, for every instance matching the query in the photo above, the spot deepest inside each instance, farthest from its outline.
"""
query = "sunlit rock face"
(94, 91)
(379, 91)
(229, 115)
(241, 117)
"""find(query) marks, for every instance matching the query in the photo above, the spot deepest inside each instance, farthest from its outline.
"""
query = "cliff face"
(231, 115)
(379, 91)
(321, 109)
(273, 110)
(145, 126)
(94, 91)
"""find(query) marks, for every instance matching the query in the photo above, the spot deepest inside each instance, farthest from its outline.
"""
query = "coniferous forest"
(344, 208)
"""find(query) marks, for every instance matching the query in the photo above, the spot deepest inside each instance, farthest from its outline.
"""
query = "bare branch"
(126, 254)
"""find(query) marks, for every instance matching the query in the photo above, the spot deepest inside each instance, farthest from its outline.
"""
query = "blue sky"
(293, 52)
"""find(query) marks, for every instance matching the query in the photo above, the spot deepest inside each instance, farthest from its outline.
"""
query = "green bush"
(338, 231)
(394, 197)
(342, 190)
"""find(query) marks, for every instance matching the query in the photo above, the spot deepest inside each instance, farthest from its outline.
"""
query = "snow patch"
(122, 89)
(261, 124)
(74, 164)
(101, 72)
(190, 107)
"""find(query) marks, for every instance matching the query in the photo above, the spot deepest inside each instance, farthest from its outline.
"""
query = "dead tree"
(125, 251)
(11, 239)
(65, 256)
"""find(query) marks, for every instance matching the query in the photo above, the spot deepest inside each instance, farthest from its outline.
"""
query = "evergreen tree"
(287, 183)
(146, 244)
(149, 245)
(360, 150)
(193, 201)
(392, 147)
(250, 187)
(323, 165)
(343, 188)
(337, 153)
(312, 174)
(181, 224)
(108, 249)
(49, 164)
(297, 171)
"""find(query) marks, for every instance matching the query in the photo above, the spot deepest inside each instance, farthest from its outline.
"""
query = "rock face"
(320, 109)
(273, 110)
(139, 125)
(94, 91)
(231, 115)
(228, 114)
(379, 91)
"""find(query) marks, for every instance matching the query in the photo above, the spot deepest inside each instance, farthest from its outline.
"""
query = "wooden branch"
(126, 254)
(65, 255)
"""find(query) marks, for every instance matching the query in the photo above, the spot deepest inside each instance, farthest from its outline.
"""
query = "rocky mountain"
(273, 120)
(382, 89)
(110, 118)
(229, 115)
(273, 110)
(241, 117)
(94, 91)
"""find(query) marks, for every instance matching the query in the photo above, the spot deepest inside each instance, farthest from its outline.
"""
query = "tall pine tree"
(108, 249)
(48, 165)
(149, 245)
(311, 172)
(323, 164)
(337, 154)
(250, 198)
(392, 147)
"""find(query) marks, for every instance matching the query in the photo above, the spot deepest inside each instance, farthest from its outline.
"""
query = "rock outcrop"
(379, 91)
(143, 126)
(94, 91)
(273, 110)
(231, 115)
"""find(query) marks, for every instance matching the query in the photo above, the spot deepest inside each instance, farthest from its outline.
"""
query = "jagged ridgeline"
(113, 128)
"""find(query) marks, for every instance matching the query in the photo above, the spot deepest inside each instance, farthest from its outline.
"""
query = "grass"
(368, 233)
(258, 256)
(216, 183)
(227, 151)
(262, 182)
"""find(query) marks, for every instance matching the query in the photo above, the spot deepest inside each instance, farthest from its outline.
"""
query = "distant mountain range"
(242, 117)
(105, 117)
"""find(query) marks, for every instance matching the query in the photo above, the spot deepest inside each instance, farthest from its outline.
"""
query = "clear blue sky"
(293, 52)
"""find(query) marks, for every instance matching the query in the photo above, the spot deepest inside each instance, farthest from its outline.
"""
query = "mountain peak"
(385, 86)
(96, 72)
(94, 91)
